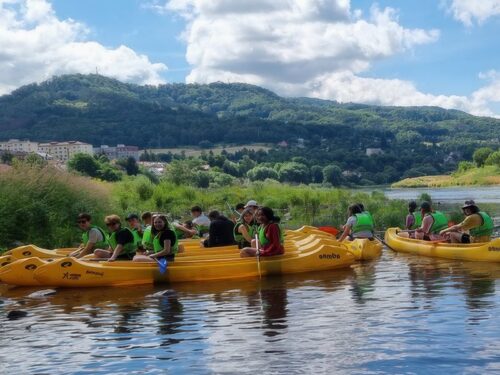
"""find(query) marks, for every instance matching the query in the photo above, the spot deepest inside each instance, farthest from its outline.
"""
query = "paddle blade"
(162, 265)
(331, 230)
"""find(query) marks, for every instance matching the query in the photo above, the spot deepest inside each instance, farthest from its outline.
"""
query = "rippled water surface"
(399, 314)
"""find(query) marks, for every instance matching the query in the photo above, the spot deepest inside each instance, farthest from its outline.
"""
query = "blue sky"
(425, 52)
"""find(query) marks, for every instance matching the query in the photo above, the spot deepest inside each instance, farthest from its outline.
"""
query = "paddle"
(258, 254)
(162, 264)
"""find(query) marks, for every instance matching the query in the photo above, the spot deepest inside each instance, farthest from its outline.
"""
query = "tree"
(332, 174)
(85, 164)
(294, 172)
(480, 155)
(316, 174)
(7, 157)
(261, 173)
(130, 165)
(493, 159)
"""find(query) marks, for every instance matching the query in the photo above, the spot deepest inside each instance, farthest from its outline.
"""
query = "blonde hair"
(112, 219)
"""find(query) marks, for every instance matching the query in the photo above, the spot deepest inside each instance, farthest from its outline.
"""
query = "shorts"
(465, 238)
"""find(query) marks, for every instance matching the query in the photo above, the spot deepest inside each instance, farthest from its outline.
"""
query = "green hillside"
(92, 108)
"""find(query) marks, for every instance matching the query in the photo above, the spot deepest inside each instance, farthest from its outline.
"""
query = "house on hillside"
(374, 151)
(283, 144)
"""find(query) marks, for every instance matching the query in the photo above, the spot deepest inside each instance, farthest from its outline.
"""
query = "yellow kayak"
(363, 248)
(69, 272)
(481, 252)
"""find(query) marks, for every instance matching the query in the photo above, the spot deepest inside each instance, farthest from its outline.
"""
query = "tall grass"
(40, 205)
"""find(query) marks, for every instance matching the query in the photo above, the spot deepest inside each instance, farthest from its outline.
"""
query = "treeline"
(410, 141)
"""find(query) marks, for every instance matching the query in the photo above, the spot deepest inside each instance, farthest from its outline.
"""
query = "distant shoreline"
(485, 176)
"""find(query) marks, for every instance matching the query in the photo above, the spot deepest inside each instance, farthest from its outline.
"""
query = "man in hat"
(476, 227)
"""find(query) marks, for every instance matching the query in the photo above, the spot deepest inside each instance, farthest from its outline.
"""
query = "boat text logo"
(329, 256)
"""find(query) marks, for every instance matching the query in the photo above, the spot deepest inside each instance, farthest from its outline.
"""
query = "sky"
(409, 52)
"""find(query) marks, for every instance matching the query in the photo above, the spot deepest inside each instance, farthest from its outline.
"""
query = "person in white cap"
(252, 205)
(478, 224)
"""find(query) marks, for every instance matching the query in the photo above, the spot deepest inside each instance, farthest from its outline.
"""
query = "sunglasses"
(110, 224)
(81, 221)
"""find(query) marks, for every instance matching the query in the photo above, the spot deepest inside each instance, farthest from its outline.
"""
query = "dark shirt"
(221, 233)
(168, 235)
(124, 236)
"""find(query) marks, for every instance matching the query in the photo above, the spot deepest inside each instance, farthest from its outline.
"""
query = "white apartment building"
(63, 151)
(16, 145)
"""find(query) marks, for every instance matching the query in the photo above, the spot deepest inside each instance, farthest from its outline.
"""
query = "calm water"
(481, 194)
(399, 314)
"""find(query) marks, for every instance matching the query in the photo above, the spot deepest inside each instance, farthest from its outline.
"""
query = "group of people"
(433, 225)
(255, 230)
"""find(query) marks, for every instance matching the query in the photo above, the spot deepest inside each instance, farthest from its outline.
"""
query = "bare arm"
(167, 248)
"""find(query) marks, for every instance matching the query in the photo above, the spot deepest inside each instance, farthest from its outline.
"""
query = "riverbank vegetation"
(483, 170)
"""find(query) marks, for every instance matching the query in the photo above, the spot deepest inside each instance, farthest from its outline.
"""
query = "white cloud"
(318, 48)
(35, 44)
(466, 11)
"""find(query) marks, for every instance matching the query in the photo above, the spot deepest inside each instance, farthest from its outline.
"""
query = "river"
(398, 314)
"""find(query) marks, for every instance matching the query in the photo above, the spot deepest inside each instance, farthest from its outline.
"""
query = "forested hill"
(100, 110)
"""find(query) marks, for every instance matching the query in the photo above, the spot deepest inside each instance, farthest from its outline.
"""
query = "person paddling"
(477, 223)
(165, 244)
(270, 236)
(432, 224)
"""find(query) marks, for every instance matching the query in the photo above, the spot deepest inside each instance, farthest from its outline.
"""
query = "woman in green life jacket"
(93, 237)
(122, 243)
(165, 244)
(432, 223)
(359, 223)
(245, 229)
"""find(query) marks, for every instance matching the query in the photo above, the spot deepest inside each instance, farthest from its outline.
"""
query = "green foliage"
(294, 172)
(262, 173)
(481, 155)
(332, 174)
(493, 159)
(130, 166)
(40, 205)
(85, 164)
(465, 166)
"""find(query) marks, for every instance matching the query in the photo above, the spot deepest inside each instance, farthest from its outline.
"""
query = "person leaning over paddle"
(165, 244)
(359, 224)
(121, 241)
(432, 224)
(478, 223)
(244, 229)
(270, 236)
(93, 237)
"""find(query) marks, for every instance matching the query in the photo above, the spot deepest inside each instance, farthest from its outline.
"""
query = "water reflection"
(403, 312)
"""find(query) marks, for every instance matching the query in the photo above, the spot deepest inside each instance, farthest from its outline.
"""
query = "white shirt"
(202, 220)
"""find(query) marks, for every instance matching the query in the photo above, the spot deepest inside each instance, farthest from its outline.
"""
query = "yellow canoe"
(480, 252)
(363, 248)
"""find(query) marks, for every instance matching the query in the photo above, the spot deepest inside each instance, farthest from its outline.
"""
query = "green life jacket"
(238, 237)
(418, 220)
(486, 229)
(263, 240)
(147, 238)
(98, 245)
(364, 223)
(137, 237)
(128, 248)
(157, 246)
(440, 222)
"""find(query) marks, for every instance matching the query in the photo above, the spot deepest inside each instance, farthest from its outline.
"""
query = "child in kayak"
(270, 236)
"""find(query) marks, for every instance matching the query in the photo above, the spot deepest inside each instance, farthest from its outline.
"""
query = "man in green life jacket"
(135, 226)
(93, 237)
(122, 244)
(147, 238)
(477, 223)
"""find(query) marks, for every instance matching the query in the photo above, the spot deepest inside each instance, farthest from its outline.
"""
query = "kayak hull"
(479, 252)
(364, 248)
